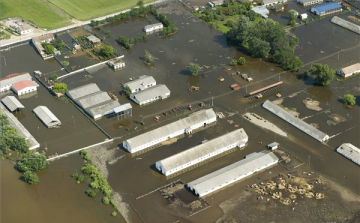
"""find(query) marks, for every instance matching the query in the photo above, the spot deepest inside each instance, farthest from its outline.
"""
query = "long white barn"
(350, 151)
(298, 123)
(182, 126)
(214, 181)
(202, 152)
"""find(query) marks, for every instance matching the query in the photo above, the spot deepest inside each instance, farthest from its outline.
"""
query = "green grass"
(90, 9)
(40, 12)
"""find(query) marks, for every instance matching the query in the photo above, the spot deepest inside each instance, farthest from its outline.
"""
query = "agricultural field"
(85, 10)
(39, 12)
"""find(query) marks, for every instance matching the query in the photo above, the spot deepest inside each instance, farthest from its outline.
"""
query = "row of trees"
(128, 42)
(265, 38)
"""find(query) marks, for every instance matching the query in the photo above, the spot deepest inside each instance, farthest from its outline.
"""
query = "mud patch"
(259, 121)
(312, 104)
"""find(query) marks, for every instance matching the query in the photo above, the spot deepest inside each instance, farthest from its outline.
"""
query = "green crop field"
(40, 12)
(90, 9)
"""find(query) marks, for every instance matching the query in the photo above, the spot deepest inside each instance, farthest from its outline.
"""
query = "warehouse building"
(326, 9)
(186, 125)
(140, 84)
(298, 123)
(47, 117)
(309, 2)
(214, 181)
(198, 154)
(7, 81)
(12, 103)
(93, 101)
(350, 151)
(157, 92)
(349, 70)
(24, 87)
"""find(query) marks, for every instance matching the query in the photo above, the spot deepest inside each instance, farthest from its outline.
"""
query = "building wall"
(149, 100)
(25, 90)
(5, 88)
(310, 3)
(315, 11)
(349, 74)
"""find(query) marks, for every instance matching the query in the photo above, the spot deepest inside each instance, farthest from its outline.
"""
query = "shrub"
(60, 88)
(90, 193)
(31, 178)
(31, 162)
(349, 99)
(84, 154)
(241, 61)
(114, 213)
(233, 62)
(106, 200)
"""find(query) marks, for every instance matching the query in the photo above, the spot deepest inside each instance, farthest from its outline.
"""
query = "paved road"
(21, 38)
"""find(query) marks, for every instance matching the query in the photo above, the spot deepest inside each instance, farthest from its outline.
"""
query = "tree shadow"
(222, 40)
(185, 72)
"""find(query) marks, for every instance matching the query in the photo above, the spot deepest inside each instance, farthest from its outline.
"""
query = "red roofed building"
(24, 87)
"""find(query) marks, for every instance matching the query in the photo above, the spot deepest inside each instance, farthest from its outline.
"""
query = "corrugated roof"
(93, 99)
(46, 116)
(12, 103)
(102, 108)
(153, 25)
(83, 91)
(327, 6)
(238, 136)
(262, 10)
(122, 108)
(12, 79)
(300, 124)
(151, 92)
(350, 151)
(18, 86)
(351, 69)
(195, 118)
(251, 163)
(140, 83)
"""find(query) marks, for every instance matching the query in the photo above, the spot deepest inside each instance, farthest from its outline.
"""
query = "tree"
(194, 68)
(241, 61)
(292, 22)
(49, 49)
(30, 178)
(233, 62)
(107, 51)
(259, 48)
(349, 99)
(293, 42)
(324, 74)
(286, 58)
(53, 77)
(149, 58)
(127, 91)
(31, 162)
(59, 88)
(140, 3)
(293, 14)
(90, 193)
(106, 200)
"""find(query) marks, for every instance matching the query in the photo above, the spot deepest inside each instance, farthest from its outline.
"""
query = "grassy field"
(89, 9)
(40, 12)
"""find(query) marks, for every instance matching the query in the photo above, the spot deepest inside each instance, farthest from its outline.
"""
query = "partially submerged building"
(151, 94)
(153, 28)
(117, 63)
(141, 83)
(47, 117)
(7, 81)
(93, 101)
(261, 10)
(37, 42)
(203, 152)
(272, 2)
(183, 126)
(12, 103)
(24, 87)
(214, 181)
(309, 2)
(350, 151)
(349, 70)
(298, 123)
(326, 9)
(93, 39)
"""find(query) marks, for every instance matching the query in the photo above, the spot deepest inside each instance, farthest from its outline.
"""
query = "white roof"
(251, 163)
(93, 99)
(177, 160)
(300, 124)
(122, 108)
(262, 10)
(151, 92)
(12, 103)
(83, 91)
(351, 69)
(153, 25)
(270, 1)
(10, 79)
(46, 116)
(102, 108)
(350, 151)
(141, 82)
(195, 118)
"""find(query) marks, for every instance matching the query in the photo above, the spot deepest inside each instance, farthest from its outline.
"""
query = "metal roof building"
(101, 109)
(214, 181)
(7, 81)
(298, 123)
(309, 2)
(350, 70)
(151, 94)
(12, 103)
(183, 126)
(141, 83)
(202, 152)
(47, 117)
(261, 10)
(350, 151)
(326, 9)
(82, 91)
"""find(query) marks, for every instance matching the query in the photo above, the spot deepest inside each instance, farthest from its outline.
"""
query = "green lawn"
(40, 12)
(90, 9)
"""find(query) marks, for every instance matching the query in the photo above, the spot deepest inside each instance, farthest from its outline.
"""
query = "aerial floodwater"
(84, 169)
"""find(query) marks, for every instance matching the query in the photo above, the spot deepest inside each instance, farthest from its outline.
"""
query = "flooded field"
(135, 178)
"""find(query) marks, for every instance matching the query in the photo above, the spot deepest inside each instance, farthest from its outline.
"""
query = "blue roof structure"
(327, 6)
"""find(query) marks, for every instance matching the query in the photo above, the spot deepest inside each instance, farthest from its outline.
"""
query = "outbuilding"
(203, 152)
(47, 117)
(117, 63)
(141, 83)
(149, 95)
(261, 10)
(221, 178)
(24, 87)
(93, 39)
(349, 70)
(153, 28)
(273, 146)
(350, 151)
(326, 9)
(12, 103)
(183, 126)
(309, 2)
(303, 16)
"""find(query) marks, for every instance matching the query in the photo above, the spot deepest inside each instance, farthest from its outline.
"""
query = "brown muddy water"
(132, 177)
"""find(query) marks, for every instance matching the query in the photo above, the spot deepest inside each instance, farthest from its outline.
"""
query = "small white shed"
(273, 146)
(303, 16)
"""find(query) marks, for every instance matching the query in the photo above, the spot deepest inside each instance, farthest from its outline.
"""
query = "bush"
(60, 88)
(106, 200)
(349, 99)
(65, 63)
(241, 61)
(194, 68)
(114, 213)
(90, 193)
(84, 154)
(233, 62)
(53, 77)
(31, 178)
(31, 162)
